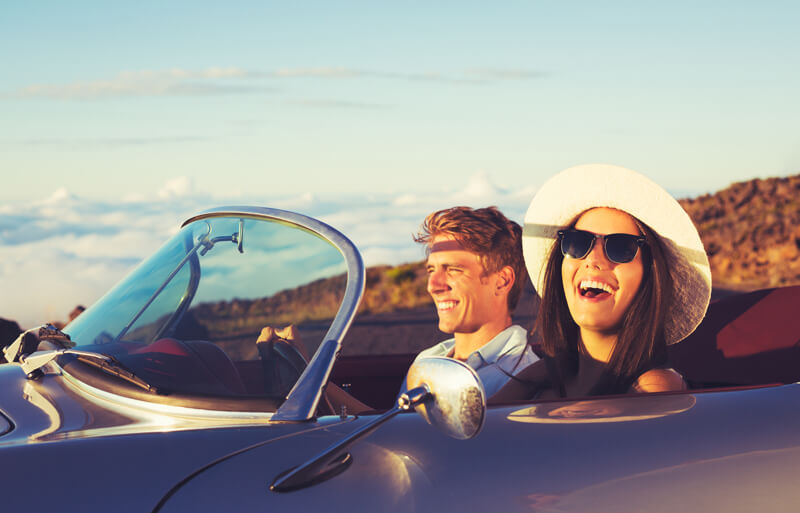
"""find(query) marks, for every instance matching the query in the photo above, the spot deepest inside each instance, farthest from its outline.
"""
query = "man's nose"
(436, 281)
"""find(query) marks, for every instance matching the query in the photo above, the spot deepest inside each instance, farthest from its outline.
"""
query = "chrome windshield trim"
(302, 401)
(158, 408)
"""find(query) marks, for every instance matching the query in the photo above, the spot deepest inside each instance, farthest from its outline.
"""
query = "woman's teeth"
(595, 287)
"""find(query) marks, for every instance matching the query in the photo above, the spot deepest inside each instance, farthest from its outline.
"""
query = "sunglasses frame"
(640, 241)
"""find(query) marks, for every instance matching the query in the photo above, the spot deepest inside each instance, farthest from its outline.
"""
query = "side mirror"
(458, 406)
(445, 392)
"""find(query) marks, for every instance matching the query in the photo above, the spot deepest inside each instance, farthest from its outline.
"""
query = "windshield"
(188, 318)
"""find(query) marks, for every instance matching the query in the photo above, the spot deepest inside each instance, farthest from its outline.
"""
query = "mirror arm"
(335, 458)
(238, 238)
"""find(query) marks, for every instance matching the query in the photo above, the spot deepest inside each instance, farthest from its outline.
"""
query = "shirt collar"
(493, 350)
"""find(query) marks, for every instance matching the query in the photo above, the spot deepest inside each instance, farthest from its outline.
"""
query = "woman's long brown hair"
(640, 343)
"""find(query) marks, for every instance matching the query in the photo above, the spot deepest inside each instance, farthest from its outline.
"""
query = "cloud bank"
(67, 250)
(234, 80)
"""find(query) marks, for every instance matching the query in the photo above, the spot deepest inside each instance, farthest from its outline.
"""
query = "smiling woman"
(622, 273)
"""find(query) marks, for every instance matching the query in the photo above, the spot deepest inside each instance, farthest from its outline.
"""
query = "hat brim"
(581, 188)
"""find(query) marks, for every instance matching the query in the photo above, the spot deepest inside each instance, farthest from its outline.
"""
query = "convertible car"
(161, 398)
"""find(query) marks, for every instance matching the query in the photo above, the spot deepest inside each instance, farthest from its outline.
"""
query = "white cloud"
(173, 82)
(303, 203)
(323, 72)
(42, 283)
(60, 195)
(228, 80)
(177, 187)
(479, 186)
(506, 74)
(144, 83)
(337, 104)
(406, 200)
(147, 75)
(65, 250)
(133, 197)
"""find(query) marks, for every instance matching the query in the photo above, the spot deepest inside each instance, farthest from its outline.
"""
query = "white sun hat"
(581, 188)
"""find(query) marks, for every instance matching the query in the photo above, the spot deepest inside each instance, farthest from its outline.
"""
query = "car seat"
(746, 339)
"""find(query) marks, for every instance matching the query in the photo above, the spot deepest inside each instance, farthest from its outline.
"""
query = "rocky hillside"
(388, 289)
(751, 231)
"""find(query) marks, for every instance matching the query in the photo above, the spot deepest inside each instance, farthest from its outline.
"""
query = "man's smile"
(446, 306)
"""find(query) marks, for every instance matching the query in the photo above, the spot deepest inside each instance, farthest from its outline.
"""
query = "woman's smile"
(595, 289)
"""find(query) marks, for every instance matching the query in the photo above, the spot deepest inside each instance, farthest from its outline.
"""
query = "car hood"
(105, 450)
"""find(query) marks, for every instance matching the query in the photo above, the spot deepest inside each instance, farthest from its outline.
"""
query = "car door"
(736, 450)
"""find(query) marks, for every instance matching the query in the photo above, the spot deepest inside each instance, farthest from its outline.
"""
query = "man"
(475, 277)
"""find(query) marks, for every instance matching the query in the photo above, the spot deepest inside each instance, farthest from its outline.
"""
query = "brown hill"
(751, 231)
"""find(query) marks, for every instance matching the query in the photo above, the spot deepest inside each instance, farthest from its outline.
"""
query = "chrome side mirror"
(458, 407)
(445, 392)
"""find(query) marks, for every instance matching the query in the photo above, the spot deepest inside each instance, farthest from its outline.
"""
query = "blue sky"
(113, 99)
(117, 120)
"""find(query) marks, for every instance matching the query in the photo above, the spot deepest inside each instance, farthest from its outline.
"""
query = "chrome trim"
(302, 401)
(157, 408)
(30, 394)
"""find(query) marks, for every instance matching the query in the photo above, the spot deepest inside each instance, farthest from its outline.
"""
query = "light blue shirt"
(497, 360)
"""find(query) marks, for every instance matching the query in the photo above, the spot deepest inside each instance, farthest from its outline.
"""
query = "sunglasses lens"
(576, 244)
(621, 248)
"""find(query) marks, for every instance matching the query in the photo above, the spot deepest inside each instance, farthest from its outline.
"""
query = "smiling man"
(475, 277)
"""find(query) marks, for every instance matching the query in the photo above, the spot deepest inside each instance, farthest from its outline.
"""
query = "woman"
(621, 272)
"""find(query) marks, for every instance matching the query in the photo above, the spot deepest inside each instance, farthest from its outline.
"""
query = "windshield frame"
(302, 401)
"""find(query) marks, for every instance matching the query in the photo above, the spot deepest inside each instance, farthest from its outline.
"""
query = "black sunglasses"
(620, 248)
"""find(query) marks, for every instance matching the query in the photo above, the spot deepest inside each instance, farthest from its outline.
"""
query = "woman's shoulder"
(659, 380)
(524, 384)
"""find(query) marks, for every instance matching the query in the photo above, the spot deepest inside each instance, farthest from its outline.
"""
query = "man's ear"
(505, 280)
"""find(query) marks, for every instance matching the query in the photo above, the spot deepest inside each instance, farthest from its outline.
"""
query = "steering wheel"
(282, 363)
